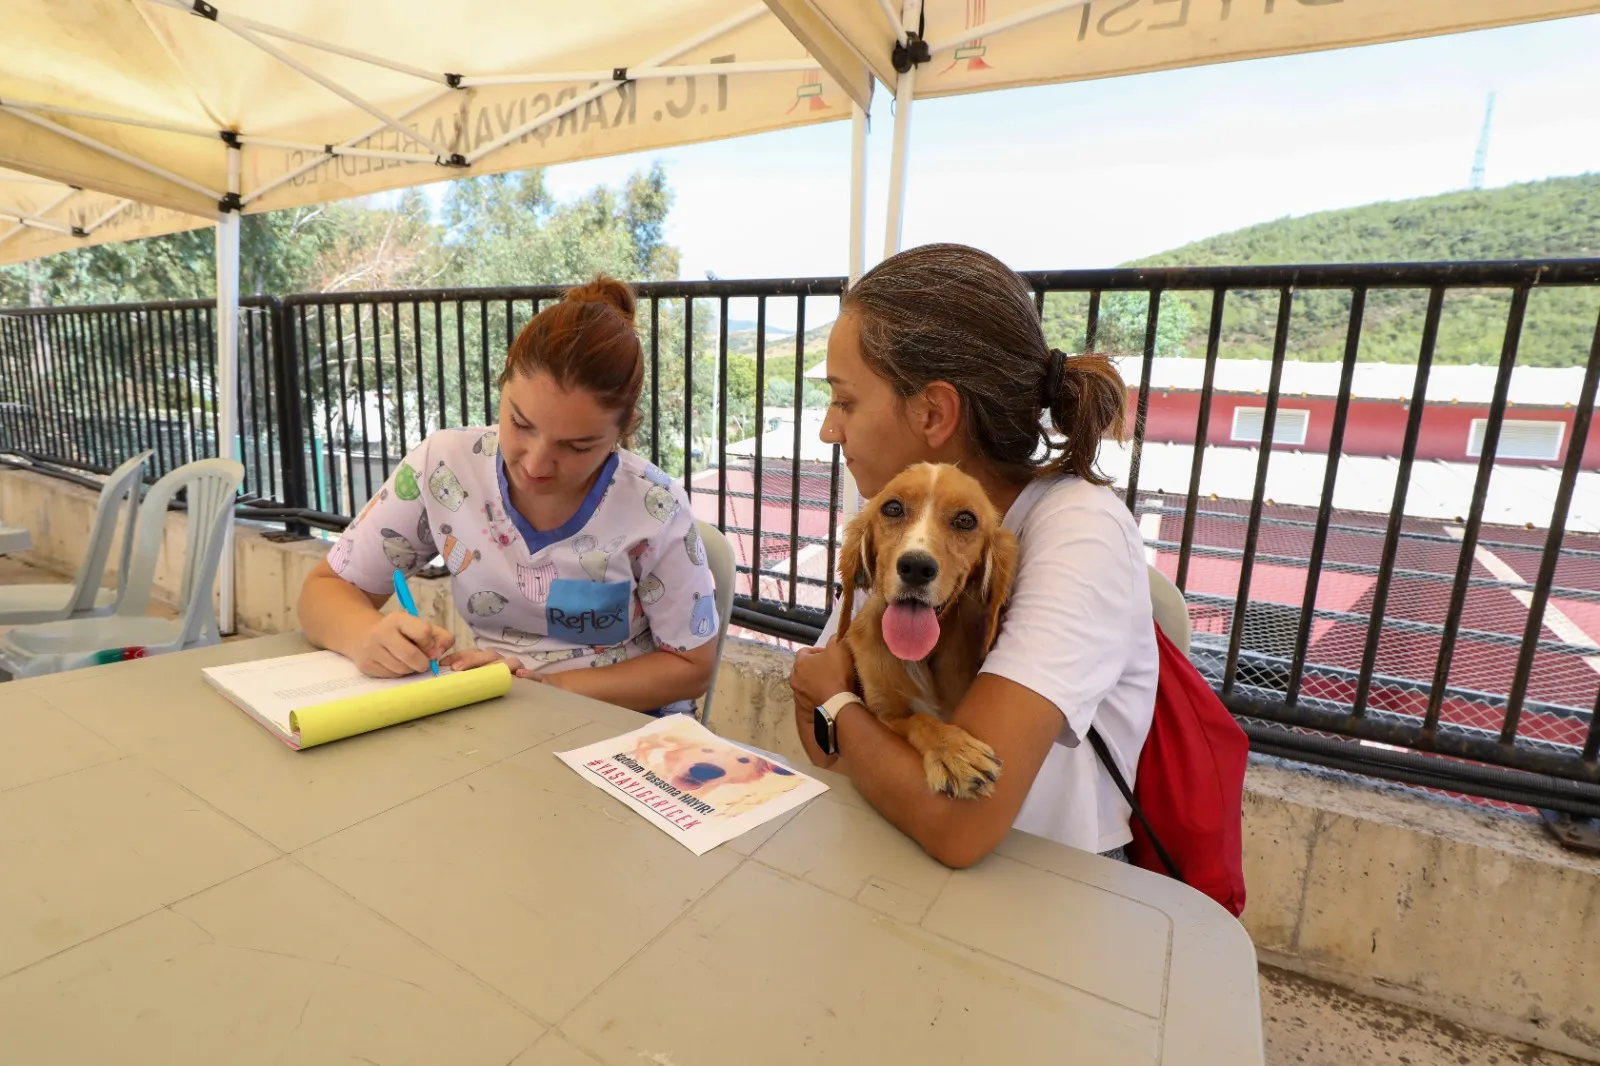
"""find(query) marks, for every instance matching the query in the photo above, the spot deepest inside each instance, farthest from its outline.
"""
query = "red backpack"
(1188, 804)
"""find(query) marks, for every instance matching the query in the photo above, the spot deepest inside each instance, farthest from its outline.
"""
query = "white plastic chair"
(1170, 609)
(22, 605)
(212, 486)
(719, 556)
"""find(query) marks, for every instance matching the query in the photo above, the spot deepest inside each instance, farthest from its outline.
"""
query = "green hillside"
(1558, 218)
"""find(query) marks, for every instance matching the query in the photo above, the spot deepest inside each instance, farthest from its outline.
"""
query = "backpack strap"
(1099, 746)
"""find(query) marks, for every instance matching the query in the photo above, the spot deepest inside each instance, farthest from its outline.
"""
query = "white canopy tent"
(149, 116)
(131, 118)
(920, 49)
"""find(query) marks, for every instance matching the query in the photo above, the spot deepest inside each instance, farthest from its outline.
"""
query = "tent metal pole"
(228, 374)
(858, 193)
(338, 90)
(24, 218)
(101, 116)
(108, 216)
(284, 179)
(699, 70)
(894, 20)
(235, 22)
(858, 253)
(49, 207)
(114, 153)
(903, 96)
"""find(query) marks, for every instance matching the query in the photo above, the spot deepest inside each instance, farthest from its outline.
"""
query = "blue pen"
(410, 605)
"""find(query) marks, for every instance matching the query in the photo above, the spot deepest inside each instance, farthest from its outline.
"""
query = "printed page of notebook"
(276, 687)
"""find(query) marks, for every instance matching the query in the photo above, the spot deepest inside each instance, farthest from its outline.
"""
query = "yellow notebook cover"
(321, 696)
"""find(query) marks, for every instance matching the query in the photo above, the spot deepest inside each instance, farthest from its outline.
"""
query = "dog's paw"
(960, 765)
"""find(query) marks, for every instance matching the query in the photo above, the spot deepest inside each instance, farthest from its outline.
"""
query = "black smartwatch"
(824, 721)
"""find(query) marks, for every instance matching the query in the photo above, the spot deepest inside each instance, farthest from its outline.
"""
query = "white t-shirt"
(625, 575)
(1079, 632)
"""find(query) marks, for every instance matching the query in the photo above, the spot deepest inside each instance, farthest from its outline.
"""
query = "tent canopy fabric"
(142, 99)
(129, 108)
(981, 45)
(40, 217)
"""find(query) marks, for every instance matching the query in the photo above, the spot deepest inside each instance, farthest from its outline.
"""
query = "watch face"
(823, 730)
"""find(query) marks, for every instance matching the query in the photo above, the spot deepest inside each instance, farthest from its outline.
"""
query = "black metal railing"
(1338, 632)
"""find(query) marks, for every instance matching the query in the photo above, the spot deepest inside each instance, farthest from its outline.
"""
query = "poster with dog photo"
(690, 783)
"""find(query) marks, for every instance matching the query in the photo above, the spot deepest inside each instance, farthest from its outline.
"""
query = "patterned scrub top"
(624, 576)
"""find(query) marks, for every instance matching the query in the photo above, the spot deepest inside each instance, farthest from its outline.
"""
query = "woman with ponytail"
(938, 356)
(573, 560)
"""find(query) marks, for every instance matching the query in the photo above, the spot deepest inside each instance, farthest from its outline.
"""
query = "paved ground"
(1308, 1023)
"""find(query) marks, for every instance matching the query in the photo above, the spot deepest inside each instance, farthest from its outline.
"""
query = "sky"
(1093, 174)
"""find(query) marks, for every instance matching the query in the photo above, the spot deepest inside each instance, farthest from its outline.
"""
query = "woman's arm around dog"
(1018, 723)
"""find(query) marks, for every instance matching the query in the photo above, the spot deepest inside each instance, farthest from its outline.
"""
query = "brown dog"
(939, 564)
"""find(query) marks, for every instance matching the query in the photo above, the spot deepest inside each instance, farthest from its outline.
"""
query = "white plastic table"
(178, 887)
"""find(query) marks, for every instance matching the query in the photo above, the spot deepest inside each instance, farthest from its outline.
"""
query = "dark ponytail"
(1087, 401)
(947, 312)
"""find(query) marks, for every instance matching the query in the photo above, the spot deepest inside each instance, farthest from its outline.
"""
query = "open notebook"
(310, 699)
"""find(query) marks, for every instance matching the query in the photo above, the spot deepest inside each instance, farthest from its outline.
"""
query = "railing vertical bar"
(483, 357)
(1152, 323)
(758, 497)
(152, 400)
(344, 410)
(688, 397)
(251, 418)
(1480, 498)
(383, 402)
(794, 485)
(722, 415)
(13, 330)
(399, 380)
(655, 380)
(291, 413)
(320, 501)
(1091, 326)
(1280, 345)
(416, 345)
(462, 389)
(91, 385)
(208, 343)
(1582, 419)
(1402, 482)
(438, 359)
(1319, 538)
(122, 325)
(1202, 428)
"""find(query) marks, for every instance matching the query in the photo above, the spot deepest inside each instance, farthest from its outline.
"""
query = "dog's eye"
(894, 509)
(966, 521)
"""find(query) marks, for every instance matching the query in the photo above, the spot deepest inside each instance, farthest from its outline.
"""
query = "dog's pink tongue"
(910, 630)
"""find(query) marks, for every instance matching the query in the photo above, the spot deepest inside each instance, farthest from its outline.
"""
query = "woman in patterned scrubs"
(573, 560)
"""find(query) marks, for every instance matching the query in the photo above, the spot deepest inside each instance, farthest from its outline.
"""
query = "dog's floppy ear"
(856, 557)
(994, 582)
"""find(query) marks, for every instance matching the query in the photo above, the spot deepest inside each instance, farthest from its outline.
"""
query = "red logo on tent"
(973, 51)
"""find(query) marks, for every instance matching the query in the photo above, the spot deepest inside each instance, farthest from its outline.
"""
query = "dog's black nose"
(917, 568)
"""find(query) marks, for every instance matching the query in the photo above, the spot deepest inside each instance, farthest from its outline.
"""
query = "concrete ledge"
(1469, 914)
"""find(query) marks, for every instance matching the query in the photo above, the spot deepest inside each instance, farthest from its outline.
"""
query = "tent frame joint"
(455, 160)
(453, 80)
(230, 138)
(205, 10)
(913, 53)
(230, 203)
(619, 74)
(79, 231)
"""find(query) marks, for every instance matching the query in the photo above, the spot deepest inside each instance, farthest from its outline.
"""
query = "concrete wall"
(1470, 914)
